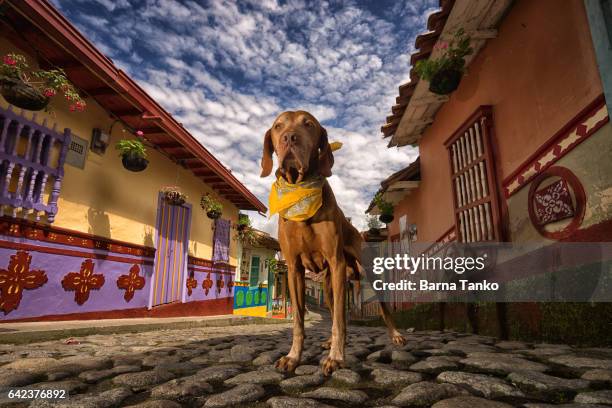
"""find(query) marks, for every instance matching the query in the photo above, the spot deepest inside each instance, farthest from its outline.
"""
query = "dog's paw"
(287, 364)
(397, 339)
(326, 345)
(330, 365)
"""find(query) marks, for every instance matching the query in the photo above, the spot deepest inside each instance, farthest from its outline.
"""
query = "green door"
(254, 275)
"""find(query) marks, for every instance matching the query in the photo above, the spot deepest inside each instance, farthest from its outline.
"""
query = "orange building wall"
(537, 74)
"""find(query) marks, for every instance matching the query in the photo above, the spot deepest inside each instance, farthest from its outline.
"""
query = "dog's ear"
(326, 157)
(266, 158)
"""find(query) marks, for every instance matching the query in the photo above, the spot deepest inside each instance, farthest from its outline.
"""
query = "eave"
(100, 79)
(479, 19)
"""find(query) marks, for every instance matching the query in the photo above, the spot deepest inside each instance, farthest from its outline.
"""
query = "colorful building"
(255, 275)
(529, 117)
(81, 236)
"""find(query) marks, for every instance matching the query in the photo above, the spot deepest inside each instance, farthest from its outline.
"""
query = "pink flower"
(8, 60)
(49, 92)
(139, 133)
(442, 45)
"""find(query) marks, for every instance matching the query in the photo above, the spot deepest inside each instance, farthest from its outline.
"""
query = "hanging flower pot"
(133, 154)
(385, 207)
(243, 222)
(173, 196)
(212, 207)
(213, 214)
(444, 72)
(386, 218)
(133, 162)
(374, 232)
(445, 81)
(31, 89)
(23, 95)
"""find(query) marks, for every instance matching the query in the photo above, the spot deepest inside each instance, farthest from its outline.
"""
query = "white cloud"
(226, 69)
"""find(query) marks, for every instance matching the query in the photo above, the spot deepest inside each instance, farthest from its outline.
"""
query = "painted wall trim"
(577, 130)
(212, 307)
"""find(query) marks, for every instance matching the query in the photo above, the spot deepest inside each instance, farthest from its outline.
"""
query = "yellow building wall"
(109, 201)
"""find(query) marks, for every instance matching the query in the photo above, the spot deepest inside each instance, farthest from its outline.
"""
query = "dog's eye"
(308, 123)
(277, 126)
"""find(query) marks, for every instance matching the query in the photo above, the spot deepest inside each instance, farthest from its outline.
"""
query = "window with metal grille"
(473, 179)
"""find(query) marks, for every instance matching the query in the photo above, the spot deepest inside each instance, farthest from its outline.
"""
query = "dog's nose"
(289, 138)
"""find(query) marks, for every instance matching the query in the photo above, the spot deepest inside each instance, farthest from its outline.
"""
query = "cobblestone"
(208, 367)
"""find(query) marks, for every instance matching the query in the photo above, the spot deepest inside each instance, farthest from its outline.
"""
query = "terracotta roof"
(37, 27)
(315, 277)
(264, 240)
(424, 44)
(410, 173)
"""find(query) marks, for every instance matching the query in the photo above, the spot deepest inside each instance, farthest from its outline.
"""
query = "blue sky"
(226, 69)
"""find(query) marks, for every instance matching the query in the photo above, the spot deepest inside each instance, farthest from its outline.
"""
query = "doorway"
(172, 242)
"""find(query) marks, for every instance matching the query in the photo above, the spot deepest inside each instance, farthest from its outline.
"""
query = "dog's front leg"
(295, 279)
(335, 359)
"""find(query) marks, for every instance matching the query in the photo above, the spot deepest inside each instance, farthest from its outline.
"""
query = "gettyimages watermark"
(496, 272)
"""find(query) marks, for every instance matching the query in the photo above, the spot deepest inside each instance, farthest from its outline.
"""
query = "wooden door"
(172, 240)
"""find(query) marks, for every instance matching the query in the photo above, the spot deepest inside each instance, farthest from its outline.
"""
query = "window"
(473, 180)
(254, 275)
(32, 165)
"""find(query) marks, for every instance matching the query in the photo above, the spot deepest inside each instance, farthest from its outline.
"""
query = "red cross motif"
(83, 281)
(131, 282)
(192, 283)
(16, 278)
(207, 284)
(220, 283)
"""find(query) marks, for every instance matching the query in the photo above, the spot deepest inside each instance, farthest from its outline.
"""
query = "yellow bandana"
(301, 201)
(296, 202)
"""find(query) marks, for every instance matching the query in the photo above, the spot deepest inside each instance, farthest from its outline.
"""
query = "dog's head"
(300, 143)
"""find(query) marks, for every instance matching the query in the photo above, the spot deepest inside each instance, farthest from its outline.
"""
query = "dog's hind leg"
(394, 334)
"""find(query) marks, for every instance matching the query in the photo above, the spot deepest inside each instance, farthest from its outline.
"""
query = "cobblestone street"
(234, 366)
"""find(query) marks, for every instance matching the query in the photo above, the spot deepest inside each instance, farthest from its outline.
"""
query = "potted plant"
(133, 154)
(31, 89)
(212, 207)
(385, 207)
(243, 222)
(374, 225)
(444, 73)
(173, 195)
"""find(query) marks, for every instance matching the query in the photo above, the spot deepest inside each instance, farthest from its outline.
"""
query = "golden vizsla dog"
(325, 243)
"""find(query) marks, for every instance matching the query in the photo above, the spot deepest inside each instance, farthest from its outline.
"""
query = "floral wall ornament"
(131, 282)
(563, 199)
(83, 282)
(220, 284)
(230, 285)
(553, 202)
(16, 278)
(207, 284)
(192, 283)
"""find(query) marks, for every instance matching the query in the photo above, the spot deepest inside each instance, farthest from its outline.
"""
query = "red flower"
(8, 60)
(139, 133)
(49, 92)
(72, 108)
